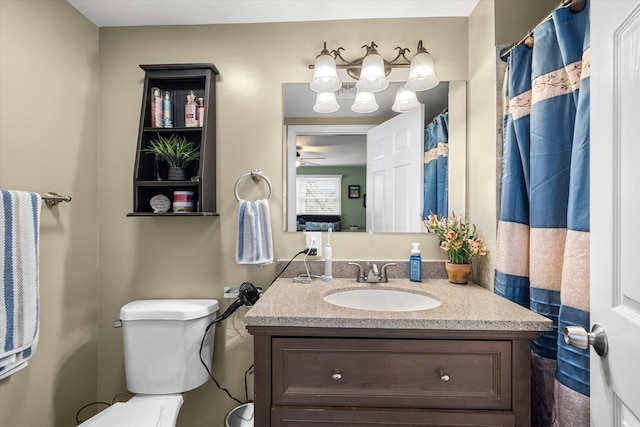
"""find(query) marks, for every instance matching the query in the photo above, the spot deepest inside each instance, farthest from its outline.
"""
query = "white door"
(615, 205)
(395, 171)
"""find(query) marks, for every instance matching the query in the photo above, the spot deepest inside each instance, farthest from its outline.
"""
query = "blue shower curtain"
(436, 166)
(542, 259)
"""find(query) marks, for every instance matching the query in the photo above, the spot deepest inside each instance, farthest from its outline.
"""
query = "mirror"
(335, 144)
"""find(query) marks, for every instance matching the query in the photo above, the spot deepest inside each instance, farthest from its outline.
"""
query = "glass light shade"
(325, 75)
(372, 77)
(406, 100)
(422, 74)
(365, 102)
(326, 103)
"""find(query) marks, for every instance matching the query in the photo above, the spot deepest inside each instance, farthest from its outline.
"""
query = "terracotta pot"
(458, 273)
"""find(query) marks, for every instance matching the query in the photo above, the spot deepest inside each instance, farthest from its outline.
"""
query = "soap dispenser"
(415, 263)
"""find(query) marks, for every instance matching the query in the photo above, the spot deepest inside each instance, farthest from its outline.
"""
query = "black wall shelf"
(178, 80)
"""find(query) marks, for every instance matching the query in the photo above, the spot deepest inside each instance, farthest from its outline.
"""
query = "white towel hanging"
(254, 245)
(19, 296)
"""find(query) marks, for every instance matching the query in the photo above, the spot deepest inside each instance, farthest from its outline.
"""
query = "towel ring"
(256, 175)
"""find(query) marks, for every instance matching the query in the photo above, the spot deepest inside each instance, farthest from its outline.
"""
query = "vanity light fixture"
(326, 102)
(365, 102)
(405, 100)
(373, 76)
(422, 74)
(371, 71)
(325, 75)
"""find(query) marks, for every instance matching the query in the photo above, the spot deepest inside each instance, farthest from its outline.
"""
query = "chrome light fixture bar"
(371, 71)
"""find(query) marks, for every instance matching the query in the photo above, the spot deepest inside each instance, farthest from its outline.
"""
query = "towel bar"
(51, 199)
(256, 175)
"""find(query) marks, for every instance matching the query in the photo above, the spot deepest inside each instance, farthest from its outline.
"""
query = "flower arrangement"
(457, 237)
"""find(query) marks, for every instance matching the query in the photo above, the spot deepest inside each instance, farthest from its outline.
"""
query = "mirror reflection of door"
(395, 174)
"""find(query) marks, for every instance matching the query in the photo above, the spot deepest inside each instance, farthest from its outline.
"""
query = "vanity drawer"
(362, 417)
(391, 373)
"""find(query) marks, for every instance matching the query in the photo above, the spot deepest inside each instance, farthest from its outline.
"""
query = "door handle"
(580, 338)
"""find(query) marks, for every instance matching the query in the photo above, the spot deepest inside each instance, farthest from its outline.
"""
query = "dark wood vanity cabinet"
(372, 377)
(177, 81)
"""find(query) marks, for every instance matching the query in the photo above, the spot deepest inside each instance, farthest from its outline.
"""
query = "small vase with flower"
(459, 239)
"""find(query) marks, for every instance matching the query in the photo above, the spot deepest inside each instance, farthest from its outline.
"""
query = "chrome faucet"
(373, 268)
(373, 274)
(383, 272)
(360, 275)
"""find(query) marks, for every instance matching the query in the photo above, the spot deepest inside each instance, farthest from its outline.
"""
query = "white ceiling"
(117, 13)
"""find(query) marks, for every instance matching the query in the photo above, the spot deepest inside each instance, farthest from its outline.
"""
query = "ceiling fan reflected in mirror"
(305, 160)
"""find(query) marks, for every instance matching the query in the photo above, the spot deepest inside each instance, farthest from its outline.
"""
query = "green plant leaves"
(176, 150)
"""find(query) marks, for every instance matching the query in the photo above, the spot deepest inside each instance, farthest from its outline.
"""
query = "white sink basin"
(382, 299)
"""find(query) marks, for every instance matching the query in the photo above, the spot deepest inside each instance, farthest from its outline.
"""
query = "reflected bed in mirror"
(326, 154)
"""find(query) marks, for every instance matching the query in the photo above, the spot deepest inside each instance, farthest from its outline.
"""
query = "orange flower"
(457, 237)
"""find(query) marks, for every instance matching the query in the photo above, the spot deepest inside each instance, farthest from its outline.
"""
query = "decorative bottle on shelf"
(156, 108)
(167, 110)
(190, 119)
(200, 112)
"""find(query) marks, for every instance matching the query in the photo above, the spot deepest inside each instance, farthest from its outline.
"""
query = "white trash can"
(240, 416)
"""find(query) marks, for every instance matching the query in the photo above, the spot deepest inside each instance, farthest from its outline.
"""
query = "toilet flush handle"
(117, 323)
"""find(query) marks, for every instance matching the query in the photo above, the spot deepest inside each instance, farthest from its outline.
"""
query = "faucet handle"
(383, 272)
(360, 277)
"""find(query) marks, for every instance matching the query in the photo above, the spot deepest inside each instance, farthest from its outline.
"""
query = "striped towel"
(255, 244)
(19, 299)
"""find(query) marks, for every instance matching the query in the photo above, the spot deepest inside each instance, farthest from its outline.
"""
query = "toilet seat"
(144, 410)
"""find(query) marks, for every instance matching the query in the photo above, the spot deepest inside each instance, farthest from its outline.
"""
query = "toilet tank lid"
(168, 309)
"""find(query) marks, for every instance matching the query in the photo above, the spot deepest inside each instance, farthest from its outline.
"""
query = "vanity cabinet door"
(392, 373)
(323, 417)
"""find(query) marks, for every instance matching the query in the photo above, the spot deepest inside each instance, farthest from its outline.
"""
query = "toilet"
(161, 342)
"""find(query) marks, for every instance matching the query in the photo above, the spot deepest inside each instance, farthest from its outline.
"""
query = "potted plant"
(459, 239)
(177, 152)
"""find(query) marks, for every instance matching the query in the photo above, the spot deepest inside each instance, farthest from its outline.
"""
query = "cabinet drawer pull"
(336, 375)
(444, 377)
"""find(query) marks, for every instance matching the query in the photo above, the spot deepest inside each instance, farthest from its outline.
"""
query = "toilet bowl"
(161, 342)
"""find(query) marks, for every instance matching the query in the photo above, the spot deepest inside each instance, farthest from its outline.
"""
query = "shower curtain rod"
(574, 5)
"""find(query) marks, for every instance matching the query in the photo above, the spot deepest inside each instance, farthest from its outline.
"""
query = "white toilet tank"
(162, 340)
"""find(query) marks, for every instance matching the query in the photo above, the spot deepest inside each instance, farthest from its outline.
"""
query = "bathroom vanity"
(465, 362)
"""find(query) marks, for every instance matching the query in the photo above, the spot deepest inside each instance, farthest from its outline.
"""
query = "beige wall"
(481, 128)
(514, 18)
(180, 257)
(48, 142)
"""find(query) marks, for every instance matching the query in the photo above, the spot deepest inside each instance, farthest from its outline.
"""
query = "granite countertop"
(464, 307)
